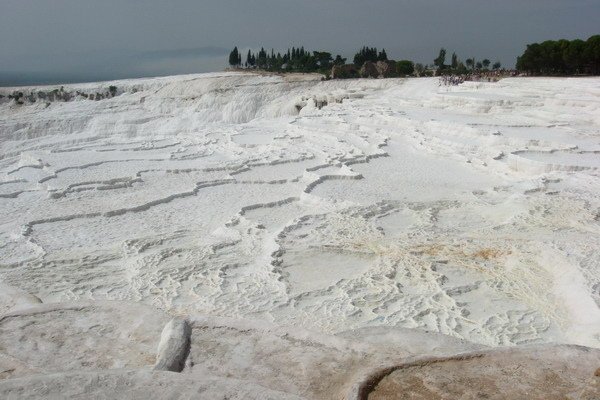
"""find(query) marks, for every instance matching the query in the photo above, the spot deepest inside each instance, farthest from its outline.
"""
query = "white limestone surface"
(472, 211)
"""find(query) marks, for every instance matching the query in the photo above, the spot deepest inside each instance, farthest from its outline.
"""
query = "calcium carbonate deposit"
(471, 211)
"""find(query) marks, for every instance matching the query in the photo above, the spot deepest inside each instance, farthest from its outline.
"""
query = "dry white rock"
(49, 338)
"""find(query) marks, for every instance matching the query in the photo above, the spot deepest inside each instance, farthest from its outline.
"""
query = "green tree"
(554, 58)
(234, 57)
(592, 54)
(405, 67)
(528, 61)
(574, 56)
(323, 59)
(470, 62)
(496, 65)
(454, 61)
(261, 61)
(486, 63)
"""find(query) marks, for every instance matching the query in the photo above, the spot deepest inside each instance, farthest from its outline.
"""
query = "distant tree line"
(295, 59)
(369, 54)
(456, 66)
(562, 57)
(552, 57)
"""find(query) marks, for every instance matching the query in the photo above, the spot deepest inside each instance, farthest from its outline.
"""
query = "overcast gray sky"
(78, 40)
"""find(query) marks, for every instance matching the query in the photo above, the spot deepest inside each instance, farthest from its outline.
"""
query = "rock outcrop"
(31, 96)
(386, 69)
(380, 69)
(174, 346)
(551, 372)
(344, 71)
(369, 70)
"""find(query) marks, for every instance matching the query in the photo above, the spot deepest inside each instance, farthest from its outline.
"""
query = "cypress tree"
(234, 57)
(454, 61)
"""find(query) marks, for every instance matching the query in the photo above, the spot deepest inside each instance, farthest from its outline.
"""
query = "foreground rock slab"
(542, 372)
(133, 385)
(305, 363)
(50, 338)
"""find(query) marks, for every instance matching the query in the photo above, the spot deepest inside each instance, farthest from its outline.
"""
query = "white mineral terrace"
(290, 204)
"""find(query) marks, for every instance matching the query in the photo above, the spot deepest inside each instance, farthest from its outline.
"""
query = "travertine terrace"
(388, 220)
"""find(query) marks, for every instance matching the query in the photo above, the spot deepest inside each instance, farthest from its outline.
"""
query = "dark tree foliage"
(339, 60)
(366, 54)
(486, 63)
(591, 54)
(562, 57)
(382, 56)
(454, 62)
(295, 59)
(235, 58)
(405, 67)
(261, 60)
(323, 59)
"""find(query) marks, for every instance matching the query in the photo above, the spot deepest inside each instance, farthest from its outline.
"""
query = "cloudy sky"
(79, 40)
